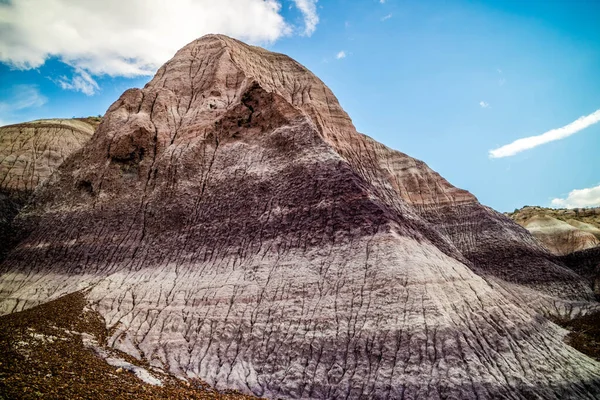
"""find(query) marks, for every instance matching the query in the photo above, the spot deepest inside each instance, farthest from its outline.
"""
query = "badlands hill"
(227, 222)
(572, 234)
(561, 231)
(29, 154)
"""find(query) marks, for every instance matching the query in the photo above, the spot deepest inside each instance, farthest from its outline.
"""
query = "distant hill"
(561, 231)
(29, 154)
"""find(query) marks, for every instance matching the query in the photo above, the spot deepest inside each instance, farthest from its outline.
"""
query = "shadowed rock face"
(586, 263)
(231, 224)
(29, 154)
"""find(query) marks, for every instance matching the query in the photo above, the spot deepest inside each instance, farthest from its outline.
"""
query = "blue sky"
(445, 82)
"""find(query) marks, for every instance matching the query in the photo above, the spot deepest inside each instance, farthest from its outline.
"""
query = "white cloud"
(555, 134)
(580, 198)
(382, 1)
(340, 55)
(128, 38)
(483, 104)
(133, 37)
(22, 97)
(385, 18)
(80, 82)
(308, 8)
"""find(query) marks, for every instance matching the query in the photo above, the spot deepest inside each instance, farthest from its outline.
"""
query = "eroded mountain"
(229, 223)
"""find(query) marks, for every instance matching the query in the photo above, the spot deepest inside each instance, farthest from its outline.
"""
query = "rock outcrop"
(571, 234)
(561, 237)
(229, 223)
(29, 154)
(561, 231)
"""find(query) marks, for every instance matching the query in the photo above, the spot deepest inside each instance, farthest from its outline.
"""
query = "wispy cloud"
(385, 18)
(382, 1)
(502, 80)
(579, 198)
(340, 55)
(80, 82)
(555, 134)
(308, 8)
(484, 104)
(22, 97)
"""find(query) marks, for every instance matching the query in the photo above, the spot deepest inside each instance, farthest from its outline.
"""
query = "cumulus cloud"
(130, 38)
(483, 104)
(580, 198)
(340, 55)
(555, 134)
(308, 8)
(126, 38)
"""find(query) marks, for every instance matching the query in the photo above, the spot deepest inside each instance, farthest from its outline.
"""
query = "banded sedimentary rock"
(571, 234)
(229, 223)
(561, 231)
(29, 153)
(560, 237)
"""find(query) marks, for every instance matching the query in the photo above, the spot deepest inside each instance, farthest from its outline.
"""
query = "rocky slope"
(58, 351)
(561, 231)
(29, 153)
(229, 223)
(585, 263)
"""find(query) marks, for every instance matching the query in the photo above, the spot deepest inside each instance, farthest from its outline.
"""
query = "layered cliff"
(230, 224)
(561, 231)
(29, 154)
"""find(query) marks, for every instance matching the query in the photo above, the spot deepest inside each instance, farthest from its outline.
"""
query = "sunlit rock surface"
(561, 231)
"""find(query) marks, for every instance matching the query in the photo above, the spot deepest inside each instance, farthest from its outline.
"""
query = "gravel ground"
(43, 356)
